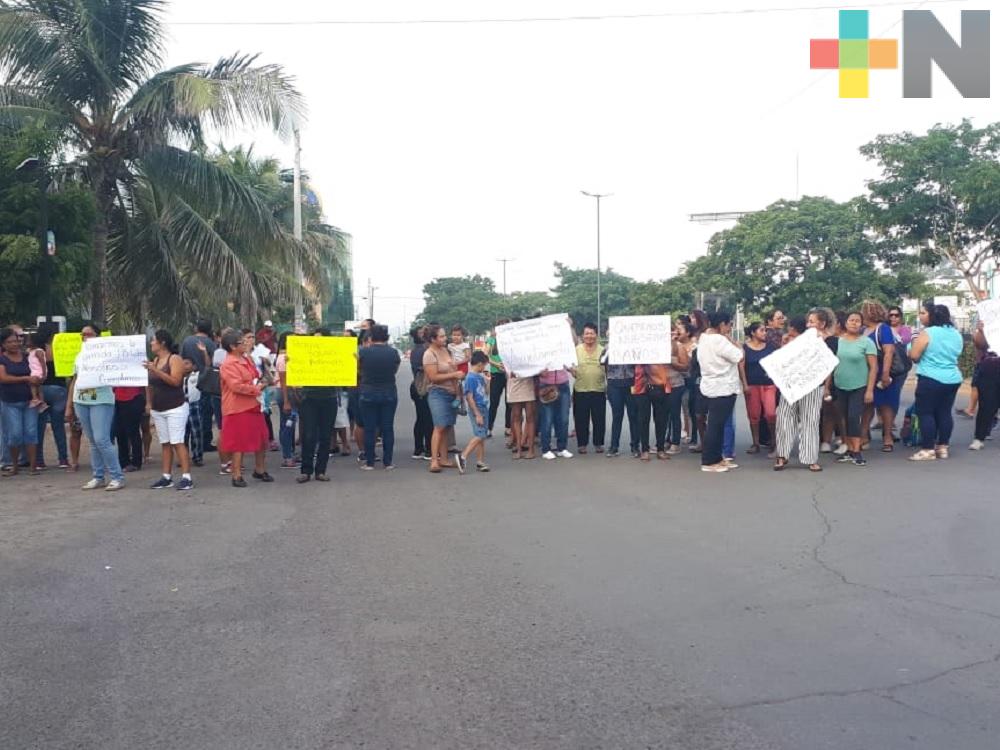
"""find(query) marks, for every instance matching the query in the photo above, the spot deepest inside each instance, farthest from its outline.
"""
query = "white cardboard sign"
(639, 340)
(112, 361)
(530, 346)
(988, 312)
(800, 366)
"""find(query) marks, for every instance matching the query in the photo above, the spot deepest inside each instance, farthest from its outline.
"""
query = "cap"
(268, 324)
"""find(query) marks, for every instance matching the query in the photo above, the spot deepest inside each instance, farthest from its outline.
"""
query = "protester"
(854, 378)
(289, 406)
(676, 377)
(198, 407)
(718, 360)
(775, 328)
(887, 387)
(267, 336)
(243, 428)
(478, 403)
(194, 348)
(589, 392)
(168, 409)
(522, 405)
(684, 331)
(554, 395)
(697, 408)
(130, 407)
(443, 377)
(423, 425)
(824, 321)
(936, 350)
(378, 365)
(498, 381)
(989, 388)
(95, 408)
(54, 393)
(900, 330)
(20, 420)
(620, 379)
(759, 390)
(318, 411)
(651, 388)
(801, 420)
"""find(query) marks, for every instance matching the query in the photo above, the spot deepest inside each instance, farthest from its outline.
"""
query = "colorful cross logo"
(853, 54)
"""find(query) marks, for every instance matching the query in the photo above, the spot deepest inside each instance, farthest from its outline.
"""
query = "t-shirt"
(590, 376)
(417, 358)
(90, 396)
(882, 337)
(718, 358)
(475, 384)
(445, 364)
(378, 366)
(218, 357)
(940, 358)
(852, 372)
(458, 353)
(495, 361)
(755, 372)
(15, 392)
(190, 350)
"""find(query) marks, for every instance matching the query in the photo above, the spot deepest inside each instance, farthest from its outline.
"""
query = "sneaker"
(63, 463)
(841, 449)
(162, 483)
(226, 468)
(239, 482)
(482, 468)
(262, 477)
(93, 484)
(845, 458)
(825, 448)
(635, 453)
(289, 463)
(859, 460)
(716, 469)
(612, 453)
(730, 463)
(114, 485)
(390, 467)
(564, 454)
(673, 450)
(273, 446)
(185, 484)
(417, 456)
(366, 467)
(549, 456)
(924, 455)
(460, 463)
(976, 445)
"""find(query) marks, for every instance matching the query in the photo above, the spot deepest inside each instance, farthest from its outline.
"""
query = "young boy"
(460, 352)
(477, 397)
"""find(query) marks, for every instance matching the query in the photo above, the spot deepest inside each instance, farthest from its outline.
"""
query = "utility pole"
(598, 196)
(505, 261)
(371, 299)
(300, 317)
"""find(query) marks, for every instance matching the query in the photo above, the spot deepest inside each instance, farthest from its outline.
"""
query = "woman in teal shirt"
(936, 350)
(855, 381)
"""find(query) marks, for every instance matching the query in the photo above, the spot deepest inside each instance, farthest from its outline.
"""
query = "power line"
(555, 19)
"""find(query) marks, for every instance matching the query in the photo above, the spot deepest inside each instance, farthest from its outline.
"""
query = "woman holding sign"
(20, 421)
(244, 430)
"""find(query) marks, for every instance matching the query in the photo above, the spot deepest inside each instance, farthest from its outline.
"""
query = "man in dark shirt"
(191, 349)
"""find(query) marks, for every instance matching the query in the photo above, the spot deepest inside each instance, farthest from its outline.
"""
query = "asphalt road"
(584, 603)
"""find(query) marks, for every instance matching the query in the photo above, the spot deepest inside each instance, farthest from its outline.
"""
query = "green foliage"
(469, 301)
(940, 193)
(577, 294)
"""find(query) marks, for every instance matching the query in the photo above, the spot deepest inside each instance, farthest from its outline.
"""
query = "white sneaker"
(841, 449)
(93, 484)
(976, 445)
(114, 485)
(549, 456)
(564, 454)
(673, 450)
(825, 448)
(716, 469)
(924, 455)
(730, 463)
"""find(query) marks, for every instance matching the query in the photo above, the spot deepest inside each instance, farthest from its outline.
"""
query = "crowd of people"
(216, 392)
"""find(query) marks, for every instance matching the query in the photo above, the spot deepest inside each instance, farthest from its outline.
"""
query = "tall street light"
(505, 261)
(598, 196)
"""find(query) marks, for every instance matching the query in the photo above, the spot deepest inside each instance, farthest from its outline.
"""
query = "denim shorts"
(442, 412)
(477, 430)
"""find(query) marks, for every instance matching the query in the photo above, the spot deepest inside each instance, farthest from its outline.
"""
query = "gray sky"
(442, 147)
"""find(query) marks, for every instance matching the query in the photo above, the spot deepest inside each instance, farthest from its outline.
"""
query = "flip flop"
(780, 464)
(888, 448)
(815, 468)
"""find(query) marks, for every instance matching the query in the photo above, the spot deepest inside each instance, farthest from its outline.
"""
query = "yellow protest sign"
(322, 360)
(65, 348)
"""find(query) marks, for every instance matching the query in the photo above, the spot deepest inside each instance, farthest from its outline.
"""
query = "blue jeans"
(378, 412)
(20, 424)
(934, 402)
(623, 402)
(729, 438)
(556, 414)
(55, 397)
(96, 420)
(286, 435)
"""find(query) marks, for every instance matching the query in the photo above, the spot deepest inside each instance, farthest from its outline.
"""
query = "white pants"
(800, 420)
(171, 424)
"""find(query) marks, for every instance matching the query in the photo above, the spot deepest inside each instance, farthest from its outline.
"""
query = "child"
(460, 352)
(477, 397)
(341, 425)
(38, 368)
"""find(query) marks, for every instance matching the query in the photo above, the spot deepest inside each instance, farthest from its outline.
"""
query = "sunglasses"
(894, 315)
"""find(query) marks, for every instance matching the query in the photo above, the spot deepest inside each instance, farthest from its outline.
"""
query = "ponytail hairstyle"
(166, 340)
(751, 329)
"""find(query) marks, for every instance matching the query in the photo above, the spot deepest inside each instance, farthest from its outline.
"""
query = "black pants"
(656, 403)
(589, 408)
(128, 430)
(498, 391)
(317, 416)
(693, 395)
(423, 427)
(852, 406)
(719, 410)
(989, 402)
(675, 402)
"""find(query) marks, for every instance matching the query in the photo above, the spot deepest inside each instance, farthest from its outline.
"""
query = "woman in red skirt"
(244, 430)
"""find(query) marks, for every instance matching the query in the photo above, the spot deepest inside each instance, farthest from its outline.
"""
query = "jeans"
(589, 407)
(423, 426)
(318, 416)
(934, 402)
(194, 435)
(20, 424)
(286, 435)
(694, 395)
(378, 412)
(555, 414)
(96, 420)
(729, 436)
(655, 403)
(674, 422)
(55, 397)
(989, 402)
(720, 411)
(128, 430)
(622, 403)
(216, 404)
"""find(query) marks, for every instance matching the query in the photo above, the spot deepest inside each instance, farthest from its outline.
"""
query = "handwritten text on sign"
(800, 366)
(639, 340)
(114, 361)
(322, 361)
(989, 312)
(65, 347)
(530, 346)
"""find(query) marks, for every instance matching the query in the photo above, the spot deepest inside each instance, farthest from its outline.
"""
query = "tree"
(468, 301)
(674, 295)
(89, 69)
(576, 294)
(940, 193)
(797, 254)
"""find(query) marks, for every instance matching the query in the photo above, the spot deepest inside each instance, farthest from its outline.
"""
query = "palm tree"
(90, 68)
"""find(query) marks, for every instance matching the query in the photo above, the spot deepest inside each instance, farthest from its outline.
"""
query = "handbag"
(901, 362)
(209, 382)
(548, 393)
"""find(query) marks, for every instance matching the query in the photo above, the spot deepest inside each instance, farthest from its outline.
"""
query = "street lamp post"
(598, 197)
(505, 261)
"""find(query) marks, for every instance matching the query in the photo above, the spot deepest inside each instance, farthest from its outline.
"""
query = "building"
(339, 306)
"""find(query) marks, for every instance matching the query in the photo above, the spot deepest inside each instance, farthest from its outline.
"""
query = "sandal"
(888, 448)
(662, 456)
(434, 469)
(780, 463)
(582, 451)
(753, 449)
(644, 456)
(815, 467)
